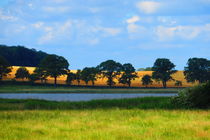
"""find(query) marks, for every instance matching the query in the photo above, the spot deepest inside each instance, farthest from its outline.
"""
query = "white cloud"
(181, 32)
(56, 9)
(133, 19)
(93, 41)
(111, 31)
(5, 17)
(148, 7)
(54, 32)
(38, 25)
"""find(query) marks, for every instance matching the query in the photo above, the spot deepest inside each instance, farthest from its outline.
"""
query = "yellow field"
(101, 82)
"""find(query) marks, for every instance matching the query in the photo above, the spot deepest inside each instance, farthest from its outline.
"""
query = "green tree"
(162, 70)
(110, 69)
(89, 74)
(54, 66)
(70, 77)
(5, 67)
(146, 80)
(128, 74)
(178, 83)
(41, 74)
(198, 69)
(22, 73)
(78, 76)
(145, 69)
(33, 77)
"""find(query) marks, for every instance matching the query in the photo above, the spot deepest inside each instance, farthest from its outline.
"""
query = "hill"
(21, 56)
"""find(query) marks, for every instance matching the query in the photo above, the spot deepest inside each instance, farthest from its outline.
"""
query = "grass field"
(102, 82)
(24, 88)
(129, 119)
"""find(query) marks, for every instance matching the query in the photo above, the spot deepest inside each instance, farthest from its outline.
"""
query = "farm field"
(102, 82)
(145, 118)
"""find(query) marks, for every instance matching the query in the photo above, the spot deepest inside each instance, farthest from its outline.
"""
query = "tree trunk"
(55, 82)
(93, 83)
(164, 84)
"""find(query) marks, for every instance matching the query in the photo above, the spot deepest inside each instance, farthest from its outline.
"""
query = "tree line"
(22, 56)
(197, 69)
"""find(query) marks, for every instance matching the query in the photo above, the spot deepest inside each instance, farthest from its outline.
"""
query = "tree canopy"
(22, 73)
(5, 67)
(198, 69)
(70, 78)
(54, 66)
(21, 56)
(110, 69)
(89, 74)
(146, 80)
(128, 74)
(163, 69)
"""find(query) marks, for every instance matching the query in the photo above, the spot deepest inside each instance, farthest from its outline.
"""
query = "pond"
(80, 96)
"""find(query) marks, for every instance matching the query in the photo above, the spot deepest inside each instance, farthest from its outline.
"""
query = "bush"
(195, 97)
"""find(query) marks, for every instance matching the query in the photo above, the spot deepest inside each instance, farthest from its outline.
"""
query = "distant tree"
(128, 74)
(22, 73)
(78, 76)
(146, 80)
(33, 77)
(5, 67)
(163, 69)
(21, 56)
(178, 83)
(89, 74)
(198, 69)
(41, 74)
(54, 66)
(145, 69)
(110, 69)
(70, 78)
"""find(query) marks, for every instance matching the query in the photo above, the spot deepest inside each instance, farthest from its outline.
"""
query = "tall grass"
(150, 118)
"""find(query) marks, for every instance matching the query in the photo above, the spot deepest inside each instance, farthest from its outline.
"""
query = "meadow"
(142, 118)
(179, 75)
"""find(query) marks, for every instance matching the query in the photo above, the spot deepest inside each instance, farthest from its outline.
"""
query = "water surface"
(80, 96)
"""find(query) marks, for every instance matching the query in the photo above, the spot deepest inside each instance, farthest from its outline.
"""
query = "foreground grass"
(142, 118)
(63, 89)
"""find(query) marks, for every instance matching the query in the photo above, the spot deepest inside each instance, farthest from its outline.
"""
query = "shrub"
(195, 97)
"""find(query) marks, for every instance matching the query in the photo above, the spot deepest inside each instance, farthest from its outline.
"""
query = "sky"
(88, 32)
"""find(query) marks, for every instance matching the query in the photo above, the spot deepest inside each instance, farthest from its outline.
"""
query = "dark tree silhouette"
(110, 69)
(163, 69)
(78, 76)
(89, 74)
(70, 78)
(21, 56)
(5, 67)
(128, 74)
(54, 66)
(198, 69)
(22, 73)
(146, 80)
(33, 77)
(178, 83)
(41, 74)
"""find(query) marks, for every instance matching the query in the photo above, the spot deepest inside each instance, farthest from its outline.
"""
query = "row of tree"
(198, 69)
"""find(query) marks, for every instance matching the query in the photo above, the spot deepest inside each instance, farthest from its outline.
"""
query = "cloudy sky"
(87, 32)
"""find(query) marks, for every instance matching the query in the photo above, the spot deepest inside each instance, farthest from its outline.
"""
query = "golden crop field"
(179, 75)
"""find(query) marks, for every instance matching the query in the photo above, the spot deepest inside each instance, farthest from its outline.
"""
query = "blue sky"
(87, 32)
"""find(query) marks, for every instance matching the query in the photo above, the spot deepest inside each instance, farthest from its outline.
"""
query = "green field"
(148, 118)
(65, 89)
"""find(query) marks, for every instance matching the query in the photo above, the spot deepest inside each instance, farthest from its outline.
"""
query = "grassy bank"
(135, 103)
(66, 89)
(144, 118)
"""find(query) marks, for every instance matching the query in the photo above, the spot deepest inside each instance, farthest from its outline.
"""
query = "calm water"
(80, 96)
